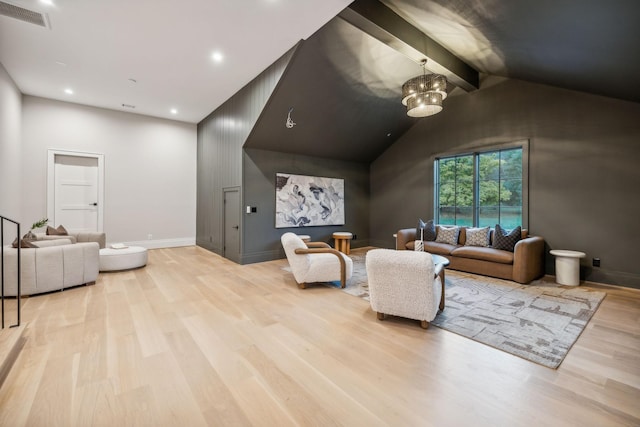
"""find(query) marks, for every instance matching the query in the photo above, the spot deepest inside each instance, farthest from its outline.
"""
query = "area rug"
(539, 322)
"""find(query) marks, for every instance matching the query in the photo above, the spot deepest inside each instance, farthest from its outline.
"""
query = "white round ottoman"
(122, 259)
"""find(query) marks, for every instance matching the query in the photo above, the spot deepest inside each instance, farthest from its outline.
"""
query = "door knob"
(235, 226)
(94, 204)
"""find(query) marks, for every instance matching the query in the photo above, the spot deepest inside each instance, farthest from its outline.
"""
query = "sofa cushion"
(477, 237)
(447, 235)
(60, 231)
(506, 240)
(428, 228)
(438, 248)
(484, 254)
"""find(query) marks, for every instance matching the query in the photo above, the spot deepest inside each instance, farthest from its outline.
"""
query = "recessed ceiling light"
(174, 111)
(47, 2)
(68, 91)
(134, 81)
(217, 56)
(60, 63)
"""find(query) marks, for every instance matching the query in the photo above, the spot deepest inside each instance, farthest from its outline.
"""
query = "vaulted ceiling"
(98, 48)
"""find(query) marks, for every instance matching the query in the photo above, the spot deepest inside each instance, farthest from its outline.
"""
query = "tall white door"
(76, 193)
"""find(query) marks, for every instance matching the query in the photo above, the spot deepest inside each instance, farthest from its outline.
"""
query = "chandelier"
(423, 95)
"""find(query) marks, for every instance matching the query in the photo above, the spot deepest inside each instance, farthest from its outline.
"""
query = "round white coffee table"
(122, 259)
(567, 266)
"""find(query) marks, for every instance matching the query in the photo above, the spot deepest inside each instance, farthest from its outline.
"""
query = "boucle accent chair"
(404, 283)
(315, 261)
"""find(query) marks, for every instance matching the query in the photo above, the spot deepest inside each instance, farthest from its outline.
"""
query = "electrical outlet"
(355, 237)
(596, 262)
(149, 236)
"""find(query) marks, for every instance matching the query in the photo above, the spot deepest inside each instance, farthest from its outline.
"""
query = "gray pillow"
(448, 235)
(506, 240)
(428, 230)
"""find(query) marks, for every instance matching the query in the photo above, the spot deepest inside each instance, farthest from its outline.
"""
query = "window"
(482, 188)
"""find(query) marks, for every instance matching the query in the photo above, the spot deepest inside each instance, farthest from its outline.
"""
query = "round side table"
(343, 241)
(567, 266)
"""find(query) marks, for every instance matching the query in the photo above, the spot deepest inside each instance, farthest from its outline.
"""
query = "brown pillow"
(24, 244)
(60, 231)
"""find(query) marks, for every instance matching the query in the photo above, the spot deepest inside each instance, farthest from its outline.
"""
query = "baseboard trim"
(162, 243)
(262, 256)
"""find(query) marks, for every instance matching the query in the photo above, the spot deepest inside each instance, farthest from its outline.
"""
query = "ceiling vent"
(26, 15)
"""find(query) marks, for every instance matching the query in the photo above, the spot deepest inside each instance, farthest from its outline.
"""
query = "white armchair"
(404, 283)
(315, 261)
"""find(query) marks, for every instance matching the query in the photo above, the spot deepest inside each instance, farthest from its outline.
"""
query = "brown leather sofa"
(523, 265)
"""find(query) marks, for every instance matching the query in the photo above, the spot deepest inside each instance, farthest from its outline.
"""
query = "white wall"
(10, 151)
(150, 168)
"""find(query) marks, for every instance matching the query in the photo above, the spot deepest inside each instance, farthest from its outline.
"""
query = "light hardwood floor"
(193, 339)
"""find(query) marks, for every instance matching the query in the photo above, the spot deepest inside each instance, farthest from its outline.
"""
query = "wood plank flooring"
(193, 339)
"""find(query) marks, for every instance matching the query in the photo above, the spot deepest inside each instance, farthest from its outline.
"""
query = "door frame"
(51, 162)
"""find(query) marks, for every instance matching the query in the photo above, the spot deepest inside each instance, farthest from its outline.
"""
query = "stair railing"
(2, 298)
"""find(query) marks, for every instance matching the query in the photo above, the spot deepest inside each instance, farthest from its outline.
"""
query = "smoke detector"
(25, 15)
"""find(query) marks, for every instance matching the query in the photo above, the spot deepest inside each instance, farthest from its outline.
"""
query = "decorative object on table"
(119, 246)
(303, 201)
(423, 94)
(419, 246)
(315, 261)
(567, 266)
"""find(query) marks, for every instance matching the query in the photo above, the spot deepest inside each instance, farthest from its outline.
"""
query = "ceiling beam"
(382, 23)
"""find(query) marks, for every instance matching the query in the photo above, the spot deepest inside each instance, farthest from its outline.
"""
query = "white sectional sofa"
(54, 264)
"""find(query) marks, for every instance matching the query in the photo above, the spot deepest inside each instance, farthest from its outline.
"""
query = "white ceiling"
(95, 47)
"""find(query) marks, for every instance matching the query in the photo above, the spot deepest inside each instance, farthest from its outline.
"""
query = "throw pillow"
(24, 243)
(60, 231)
(428, 230)
(448, 235)
(477, 237)
(506, 240)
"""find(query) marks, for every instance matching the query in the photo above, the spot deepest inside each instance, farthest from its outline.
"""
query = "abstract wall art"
(306, 201)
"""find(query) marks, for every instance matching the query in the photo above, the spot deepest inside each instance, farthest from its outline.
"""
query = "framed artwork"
(306, 201)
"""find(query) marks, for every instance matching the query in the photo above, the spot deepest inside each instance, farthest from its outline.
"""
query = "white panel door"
(76, 192)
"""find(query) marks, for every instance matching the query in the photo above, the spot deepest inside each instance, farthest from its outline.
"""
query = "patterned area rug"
(539, 322)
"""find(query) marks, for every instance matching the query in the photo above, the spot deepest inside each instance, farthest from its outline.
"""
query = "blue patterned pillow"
(448, 235)
(506, 241)
(428, 230)
(477, 237)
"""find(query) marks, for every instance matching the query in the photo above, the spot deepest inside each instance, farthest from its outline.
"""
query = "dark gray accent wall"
(221, 136)
(261, 239)
(344, 88)
(584, 177)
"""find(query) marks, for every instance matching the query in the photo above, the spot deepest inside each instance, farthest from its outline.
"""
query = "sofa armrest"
(325, 250)
(528, 259)
(99, 238)
(405, 236)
